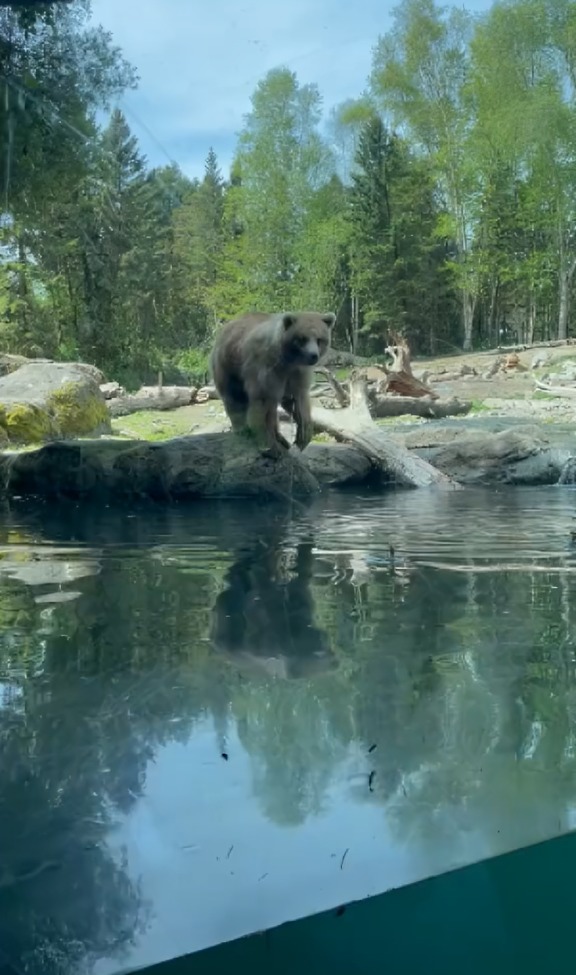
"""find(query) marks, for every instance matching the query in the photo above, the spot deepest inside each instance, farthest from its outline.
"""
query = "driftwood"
(386, 406)
(354, 424)
(382, 405)
(152, 398)
(338, 388)
(112, 390)
(567, 391)
(527, 346)
(206, 393)
(399, 377)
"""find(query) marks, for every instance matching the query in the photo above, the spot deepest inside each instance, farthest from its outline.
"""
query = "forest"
(439, 203)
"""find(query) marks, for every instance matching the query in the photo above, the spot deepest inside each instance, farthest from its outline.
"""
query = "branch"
(340, 392)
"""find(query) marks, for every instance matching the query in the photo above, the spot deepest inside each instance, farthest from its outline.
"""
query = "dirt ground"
(504, 385)
(506, 393)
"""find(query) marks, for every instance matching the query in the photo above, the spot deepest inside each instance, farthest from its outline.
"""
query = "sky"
(199, 63)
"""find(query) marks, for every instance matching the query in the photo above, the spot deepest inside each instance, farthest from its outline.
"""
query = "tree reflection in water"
(439, 696)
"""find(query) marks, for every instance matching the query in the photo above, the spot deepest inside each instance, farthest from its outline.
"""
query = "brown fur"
(261, 361)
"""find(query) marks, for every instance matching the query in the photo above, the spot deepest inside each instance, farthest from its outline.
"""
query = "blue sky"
(199, 62)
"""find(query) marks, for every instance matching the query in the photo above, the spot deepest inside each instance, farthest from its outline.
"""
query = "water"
(217, 717)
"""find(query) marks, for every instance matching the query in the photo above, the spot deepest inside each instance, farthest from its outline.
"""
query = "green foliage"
(281, 167)
(194, 362)
(396, 259)
(440, 202)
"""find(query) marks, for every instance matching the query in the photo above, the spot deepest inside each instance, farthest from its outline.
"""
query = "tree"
(55, 71)
(419, 74)
(526, 49)
(395, 257)
(198, 243)
(281, 162)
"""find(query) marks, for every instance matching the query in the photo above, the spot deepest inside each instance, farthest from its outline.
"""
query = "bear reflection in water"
(263, 621)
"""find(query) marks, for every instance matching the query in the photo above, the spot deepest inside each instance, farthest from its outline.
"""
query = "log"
(526, 346)
(567, 391)
(387, 406)
(112, 390)
(354, 424)
(399, 377)
(339, 391)
(206, 393)
(152, 398)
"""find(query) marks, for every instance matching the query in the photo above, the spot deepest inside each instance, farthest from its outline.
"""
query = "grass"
(153, 424)
(478, 406)
(342, 374)
(540, 394)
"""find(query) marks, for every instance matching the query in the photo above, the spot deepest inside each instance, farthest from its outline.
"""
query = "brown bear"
(261, 361)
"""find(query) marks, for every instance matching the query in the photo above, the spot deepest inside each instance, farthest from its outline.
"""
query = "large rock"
(339, 464)
(52, 400)
(9, 363)
(523, 455)
(217, 465)
(220, 465)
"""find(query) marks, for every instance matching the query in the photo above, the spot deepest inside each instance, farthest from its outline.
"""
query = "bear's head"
(306, 336)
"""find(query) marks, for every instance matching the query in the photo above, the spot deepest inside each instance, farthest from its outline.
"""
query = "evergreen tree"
(396, 258)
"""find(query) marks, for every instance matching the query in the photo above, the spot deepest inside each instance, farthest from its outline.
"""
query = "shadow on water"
(180, 683)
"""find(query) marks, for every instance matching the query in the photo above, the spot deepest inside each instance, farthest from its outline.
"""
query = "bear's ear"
(288, 319)
(329, 319)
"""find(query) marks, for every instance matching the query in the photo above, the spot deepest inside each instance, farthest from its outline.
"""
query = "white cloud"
(200, 62)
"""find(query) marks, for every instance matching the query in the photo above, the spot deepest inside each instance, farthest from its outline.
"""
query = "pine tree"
(394, 252)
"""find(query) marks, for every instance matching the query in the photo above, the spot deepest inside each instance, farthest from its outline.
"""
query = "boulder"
(9, 363)
(339, 464)
(523, 455)
(217, 465)
(43, 401)
(221, 465)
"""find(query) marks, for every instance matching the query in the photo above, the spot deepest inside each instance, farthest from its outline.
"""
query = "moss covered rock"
(52, 400)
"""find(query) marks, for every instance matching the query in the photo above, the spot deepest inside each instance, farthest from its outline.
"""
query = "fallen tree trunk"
(206, 393)
(528, 346)
(567, 391)
(112, 390)
(354, 425)
(385, 406)
(152, 398)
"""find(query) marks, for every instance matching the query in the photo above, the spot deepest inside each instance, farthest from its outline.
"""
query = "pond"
(217, 717)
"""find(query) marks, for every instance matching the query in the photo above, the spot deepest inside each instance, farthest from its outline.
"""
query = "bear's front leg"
(303, 417)
(263, 423)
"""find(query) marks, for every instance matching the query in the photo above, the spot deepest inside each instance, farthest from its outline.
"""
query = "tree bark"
(468, 307)
(566, 276)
